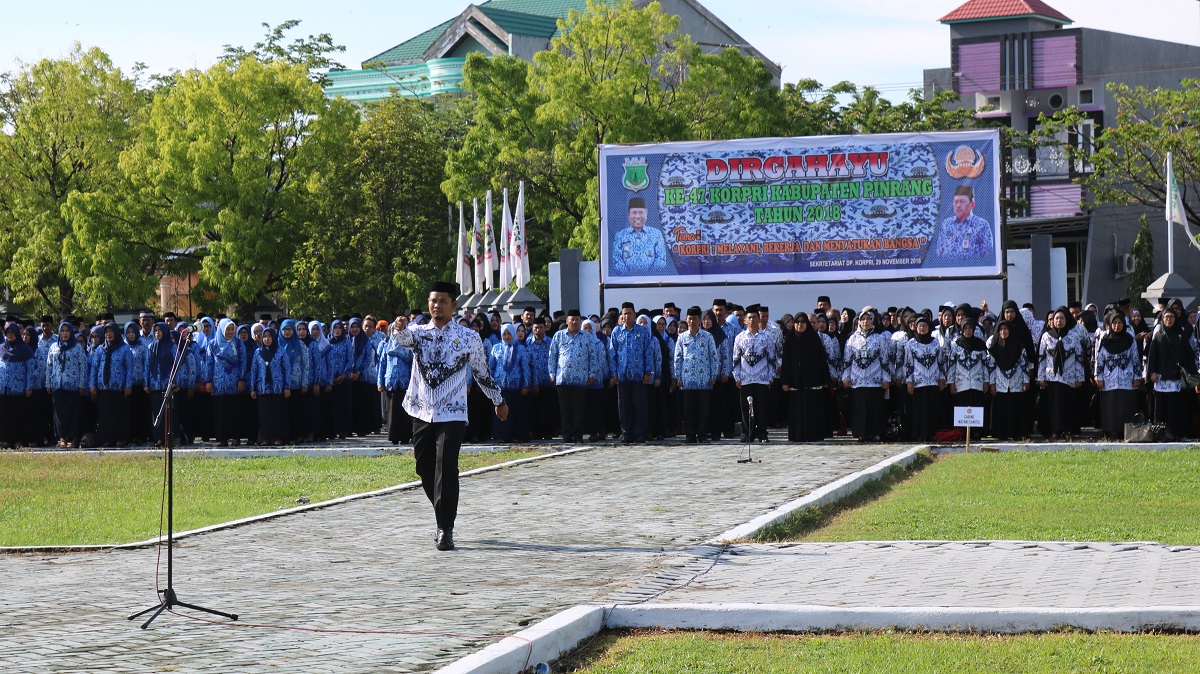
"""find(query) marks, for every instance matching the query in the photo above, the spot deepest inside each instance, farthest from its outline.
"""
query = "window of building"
(993, 102)
(1086, 97)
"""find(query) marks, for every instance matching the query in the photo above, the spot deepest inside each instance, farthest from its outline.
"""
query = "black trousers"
(572, 405)
(756, 430)
(632, 402)
(695, 412)
(399, 424)
(435, 449)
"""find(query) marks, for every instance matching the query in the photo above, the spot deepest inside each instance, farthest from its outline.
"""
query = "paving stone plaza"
(613, 524)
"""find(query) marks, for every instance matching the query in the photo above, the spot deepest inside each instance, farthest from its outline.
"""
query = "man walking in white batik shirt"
(443, 351)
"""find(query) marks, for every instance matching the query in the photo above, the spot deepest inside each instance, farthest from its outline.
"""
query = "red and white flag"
(518, 253)
(462, 270)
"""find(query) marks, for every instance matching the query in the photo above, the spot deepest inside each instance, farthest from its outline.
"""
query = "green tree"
(381, 220)
(224, 172)
(1143, 270)
(615, 74)
(312, 52)
(65, 122)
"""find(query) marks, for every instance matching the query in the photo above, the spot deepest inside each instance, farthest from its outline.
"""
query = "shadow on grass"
(803, 522)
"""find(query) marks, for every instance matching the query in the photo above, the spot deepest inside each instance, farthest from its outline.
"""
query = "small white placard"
(968, 416)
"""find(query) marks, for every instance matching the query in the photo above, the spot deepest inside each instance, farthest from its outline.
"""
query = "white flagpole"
(477, 247)
(1174, 214)
(463, 264)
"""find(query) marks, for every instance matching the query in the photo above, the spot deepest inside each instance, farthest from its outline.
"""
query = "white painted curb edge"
(278, 513)
(830, 493)
(807, 618)
(561, 633)
(544, 642)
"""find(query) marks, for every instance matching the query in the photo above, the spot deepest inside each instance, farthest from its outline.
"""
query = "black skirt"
(227, 418)
(1171, 409)
(139, 415)
(272, 418)
(67, 411)
(867, 412)
(925, 409)
(112, 418)
(297, 416)
(1009, 415)
(14, 419)
(1061, 404)
(807, 419)
(363, 408)
(1117, 407)
(399, 424)
(342, 423)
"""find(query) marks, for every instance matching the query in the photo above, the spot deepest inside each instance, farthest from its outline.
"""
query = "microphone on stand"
(750, 404)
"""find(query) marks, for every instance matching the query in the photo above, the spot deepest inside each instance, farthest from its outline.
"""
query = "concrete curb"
(544, 642)
(830, 493)
(554, 637)
(806, 618)
(272, 515)
(253, 451)
(1064, 446)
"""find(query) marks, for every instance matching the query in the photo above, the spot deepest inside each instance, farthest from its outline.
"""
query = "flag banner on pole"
(462, 271)
(519, 252)
(477, 247)
(506, 270)
(489, 243)
(1174, 198)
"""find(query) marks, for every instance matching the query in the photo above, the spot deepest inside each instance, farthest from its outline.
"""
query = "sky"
(882, 43)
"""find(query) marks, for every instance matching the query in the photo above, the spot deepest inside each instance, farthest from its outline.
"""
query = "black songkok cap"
(752, 309)
(265, 317)
(447, 287)
(1123, 302)
(823, 298)
(47, 318)
(720, 303)
(529, 309)
(762, 308)
(572, 312)
(670, 305)
(637, 202)
(694, 311)
(1075, 304)
(627, 305)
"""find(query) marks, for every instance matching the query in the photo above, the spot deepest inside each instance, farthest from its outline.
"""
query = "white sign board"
(971, 417)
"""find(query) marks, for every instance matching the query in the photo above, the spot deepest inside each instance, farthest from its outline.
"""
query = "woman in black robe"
(805, 376)
(1170, 353)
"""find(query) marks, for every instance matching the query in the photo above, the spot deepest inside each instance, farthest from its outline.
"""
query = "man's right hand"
(502, 411)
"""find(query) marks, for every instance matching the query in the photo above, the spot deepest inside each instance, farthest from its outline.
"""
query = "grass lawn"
(72, 499)
(1123, 495)
(715, 653)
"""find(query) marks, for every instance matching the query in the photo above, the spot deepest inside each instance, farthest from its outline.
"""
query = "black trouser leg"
(631, 397)
(572, 403)
(695, 412)
(757, 429)
(435, 449)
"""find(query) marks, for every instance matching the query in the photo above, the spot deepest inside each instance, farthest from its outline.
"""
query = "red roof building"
(977, 10)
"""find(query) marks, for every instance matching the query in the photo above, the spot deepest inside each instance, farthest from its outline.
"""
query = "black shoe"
(445, 539)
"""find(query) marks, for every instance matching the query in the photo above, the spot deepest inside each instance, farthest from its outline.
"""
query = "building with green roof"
(432, 61)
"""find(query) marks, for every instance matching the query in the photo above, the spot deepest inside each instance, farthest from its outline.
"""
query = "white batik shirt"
(442, 361)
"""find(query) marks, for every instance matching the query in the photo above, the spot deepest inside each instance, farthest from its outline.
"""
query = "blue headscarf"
(137, 333)
(292, 347)
(110, 348)
(334, 339)
(16, 352)
(203, 340)
(510, 348)
(162, 351)
(268, 352)
(64, 347)
(224, 350)
(96, 333)
(360, 340)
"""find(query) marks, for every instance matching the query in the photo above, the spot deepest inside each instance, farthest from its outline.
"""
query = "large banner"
(821, 208)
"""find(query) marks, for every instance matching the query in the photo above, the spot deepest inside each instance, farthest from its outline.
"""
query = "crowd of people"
(637, 375)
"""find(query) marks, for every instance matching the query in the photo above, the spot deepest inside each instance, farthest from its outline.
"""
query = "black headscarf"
(162, 351)
(1018, 330)
(926, 338)
(1116, 342)
(972, 343)
(717, 333)
(805, 362)
(1088, 318)
(64, 347)
(1006, 352)
(1060, 334)
(110, 348)
(848, 326)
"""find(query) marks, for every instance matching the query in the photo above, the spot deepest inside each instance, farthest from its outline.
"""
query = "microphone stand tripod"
(169, 598)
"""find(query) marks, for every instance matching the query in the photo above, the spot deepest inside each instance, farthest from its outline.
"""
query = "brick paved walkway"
(534, 539)
(960, 574)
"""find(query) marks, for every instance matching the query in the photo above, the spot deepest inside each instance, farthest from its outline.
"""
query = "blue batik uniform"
(66, 369)
(120, 370)
(601, 365)
(539, 353)
(319, 373)
(374, 343)
(969, 240)
(280, 374)
(570, 358)
(137, 361)
(640, 253)
(696, 360)
(631, 354)
(510, 374)
(228, 369)
(341, 359)
(39, 361)
(16, 377)
(395, 366)
(295, 356)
